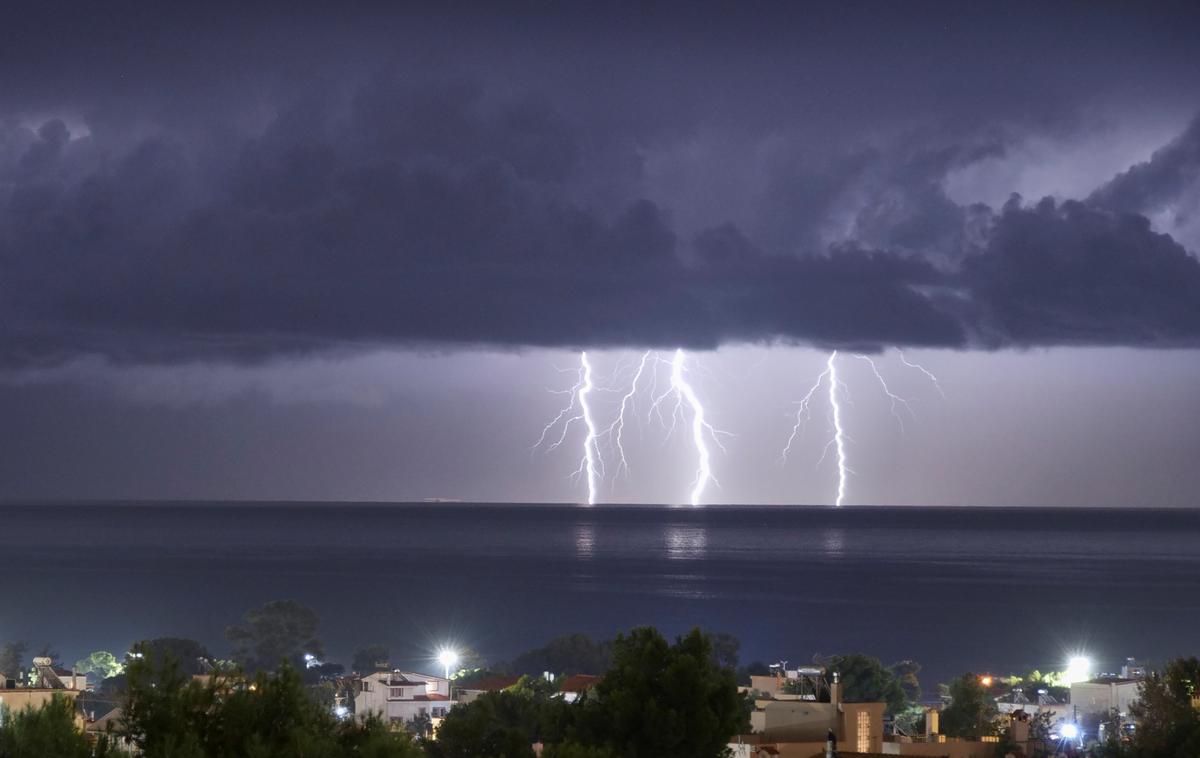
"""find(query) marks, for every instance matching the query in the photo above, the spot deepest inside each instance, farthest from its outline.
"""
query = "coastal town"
(847, 705)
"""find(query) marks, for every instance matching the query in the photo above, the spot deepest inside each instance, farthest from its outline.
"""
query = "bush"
(46, 731)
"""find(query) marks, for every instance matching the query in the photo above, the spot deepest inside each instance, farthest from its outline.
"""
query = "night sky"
(353, 252)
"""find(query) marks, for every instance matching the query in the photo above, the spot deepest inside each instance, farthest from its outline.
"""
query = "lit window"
(864, 731)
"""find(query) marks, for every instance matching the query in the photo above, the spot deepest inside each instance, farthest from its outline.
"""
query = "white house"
(1104, 694)
(398, 697)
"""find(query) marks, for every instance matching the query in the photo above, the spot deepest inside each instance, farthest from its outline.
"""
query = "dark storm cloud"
(295, 206)
(1172, 172)
(1070, 273)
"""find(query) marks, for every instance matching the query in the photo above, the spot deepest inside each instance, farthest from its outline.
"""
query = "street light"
(1079, 669)
(448, 658)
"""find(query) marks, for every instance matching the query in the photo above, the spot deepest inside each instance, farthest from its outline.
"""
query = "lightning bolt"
(618, 425)
(895, 399)
(591, 463)
(700, 427)
(837, 396)
(839, 434)
(803, 415)
(656, 405)
(936, 384)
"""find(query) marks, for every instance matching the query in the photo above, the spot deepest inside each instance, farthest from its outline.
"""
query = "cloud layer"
(407, 205)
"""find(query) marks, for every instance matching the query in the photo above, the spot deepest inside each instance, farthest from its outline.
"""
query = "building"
(470, 692)
(792, 717)
(16, 699)
(1104, 694)
(105, 725)
(47, 683)
(401, 697)
(573, 687)
(70, 679)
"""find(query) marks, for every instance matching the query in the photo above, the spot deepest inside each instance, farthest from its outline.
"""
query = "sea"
(956, 589)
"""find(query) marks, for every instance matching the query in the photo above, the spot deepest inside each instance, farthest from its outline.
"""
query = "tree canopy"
(281, 630)
(972, 712)
(495, 725)
(568, 654)
(725, 649)
(662, 700)
(1168, 720)
(867, 680)
(101, 663)
(47, 731)
(187, 653)
(655, 699)
(168, 714)
(369, 658)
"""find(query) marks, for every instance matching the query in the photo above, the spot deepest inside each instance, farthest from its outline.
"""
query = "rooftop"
(578, 683)
(491, 683)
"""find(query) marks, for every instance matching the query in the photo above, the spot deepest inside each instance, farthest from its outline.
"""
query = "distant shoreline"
(453, 502)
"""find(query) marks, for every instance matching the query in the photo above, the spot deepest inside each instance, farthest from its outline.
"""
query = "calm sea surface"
(956, 589)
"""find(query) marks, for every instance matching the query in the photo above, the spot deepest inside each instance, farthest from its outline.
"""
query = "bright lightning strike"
(839, 434)
(700, 427)
(590, 464)
(838, 397)
(804, 413)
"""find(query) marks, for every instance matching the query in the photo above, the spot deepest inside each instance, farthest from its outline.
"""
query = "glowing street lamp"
(449, 659)
(1079, 669)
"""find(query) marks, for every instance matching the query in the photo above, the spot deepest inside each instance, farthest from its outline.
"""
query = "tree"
(47, 731)
(905, 673)
(281, 630)
(656, 699)
(12, 659)
(370, 658)
(535, 687)
(972, 712)
(168, 714)
(662, 700)
(1168, 723)
(866, 680)
(187, 653)
(725, 650)
(494, 725)
(568, 654)
(575, 750)
(101, 663)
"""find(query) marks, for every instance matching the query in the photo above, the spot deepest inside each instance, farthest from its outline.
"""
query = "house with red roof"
(572, 687)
